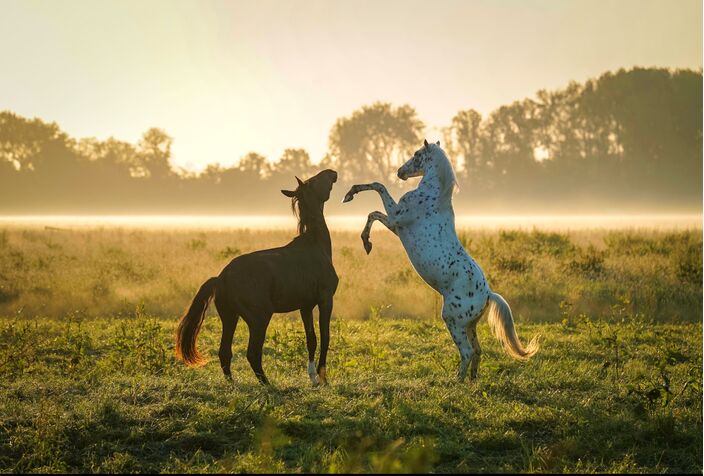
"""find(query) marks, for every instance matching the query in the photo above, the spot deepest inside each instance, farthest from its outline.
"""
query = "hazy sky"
(227, 77)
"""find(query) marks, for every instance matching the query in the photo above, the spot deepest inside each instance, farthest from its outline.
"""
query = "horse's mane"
(300, 214)
(306, 218)
(447, 177)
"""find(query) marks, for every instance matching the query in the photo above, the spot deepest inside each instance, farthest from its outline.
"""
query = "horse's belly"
(279, 285)
(426, 259)
(308, 291)
(439, 259)
(431, 277)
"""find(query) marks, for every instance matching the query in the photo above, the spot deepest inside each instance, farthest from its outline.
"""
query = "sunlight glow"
(355, 222)
(224, 78)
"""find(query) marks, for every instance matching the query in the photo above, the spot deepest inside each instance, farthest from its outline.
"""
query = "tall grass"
(110, 271)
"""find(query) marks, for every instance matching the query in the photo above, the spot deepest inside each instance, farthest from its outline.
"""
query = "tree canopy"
(625, 139)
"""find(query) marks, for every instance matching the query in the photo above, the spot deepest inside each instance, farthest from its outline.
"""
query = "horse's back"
(279, 279)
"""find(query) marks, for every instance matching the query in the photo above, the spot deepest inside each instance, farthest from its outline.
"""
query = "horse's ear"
(425, 141)
(288, 193)
(438, 142)
(300, 182)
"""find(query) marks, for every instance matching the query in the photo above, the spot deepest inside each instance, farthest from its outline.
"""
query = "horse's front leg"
(390, 204)
(311, 343)
(325, 311)
(374, 216)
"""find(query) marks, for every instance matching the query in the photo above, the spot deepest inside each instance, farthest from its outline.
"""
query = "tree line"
(627, 139)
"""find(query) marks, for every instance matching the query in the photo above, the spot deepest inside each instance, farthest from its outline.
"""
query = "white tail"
(501, 323)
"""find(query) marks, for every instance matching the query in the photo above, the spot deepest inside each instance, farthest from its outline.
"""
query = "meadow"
(50, 272)
(90, 383)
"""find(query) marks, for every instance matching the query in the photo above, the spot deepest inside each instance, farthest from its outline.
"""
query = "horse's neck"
(430, 183)
(317, 228)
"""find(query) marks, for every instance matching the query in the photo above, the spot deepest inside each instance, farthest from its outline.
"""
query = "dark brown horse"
(298, 276)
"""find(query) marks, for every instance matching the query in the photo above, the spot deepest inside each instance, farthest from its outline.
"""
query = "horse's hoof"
(322, 376)
(348, 197)
(368, 246)
(314, 380)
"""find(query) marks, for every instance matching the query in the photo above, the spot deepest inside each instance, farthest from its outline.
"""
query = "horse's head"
(315, 190)
(321, 184)
(426, 157)
(310, 196)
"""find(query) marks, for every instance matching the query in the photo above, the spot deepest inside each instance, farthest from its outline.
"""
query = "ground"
(616, 389)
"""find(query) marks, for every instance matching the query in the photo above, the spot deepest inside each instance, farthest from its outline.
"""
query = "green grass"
(107, 395)
(89, 382)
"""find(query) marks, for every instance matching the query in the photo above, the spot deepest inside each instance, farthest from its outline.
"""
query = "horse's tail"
(501, 323)
(189, 325)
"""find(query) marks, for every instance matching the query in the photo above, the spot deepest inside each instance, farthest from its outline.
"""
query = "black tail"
(189, 325)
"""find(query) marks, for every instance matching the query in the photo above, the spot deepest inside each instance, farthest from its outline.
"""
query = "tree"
(509, 143)
(629, 138)
(327, 162)
(463, 140)
(294, 162)
(33, 145)
(374, 141)
(656, 115)
(254, 165)
(154, 155)
(112, 156)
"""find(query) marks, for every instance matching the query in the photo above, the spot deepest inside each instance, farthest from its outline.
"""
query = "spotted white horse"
(425, 222)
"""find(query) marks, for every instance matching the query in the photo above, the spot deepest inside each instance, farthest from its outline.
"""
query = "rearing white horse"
(425, 222)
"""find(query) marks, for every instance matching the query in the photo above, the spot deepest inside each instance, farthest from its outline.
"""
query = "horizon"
(353, 222)
(220, 77)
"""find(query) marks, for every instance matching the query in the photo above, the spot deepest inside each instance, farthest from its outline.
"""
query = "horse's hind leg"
(459, 336)
(229, 319)
(257, 333)
(477, 350)
(458, 331)
(311, 343)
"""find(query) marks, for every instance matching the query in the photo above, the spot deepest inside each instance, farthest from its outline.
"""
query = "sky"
(224, 78)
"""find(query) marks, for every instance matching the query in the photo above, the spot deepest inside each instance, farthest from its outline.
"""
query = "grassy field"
(89, 382)
(101, 272)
